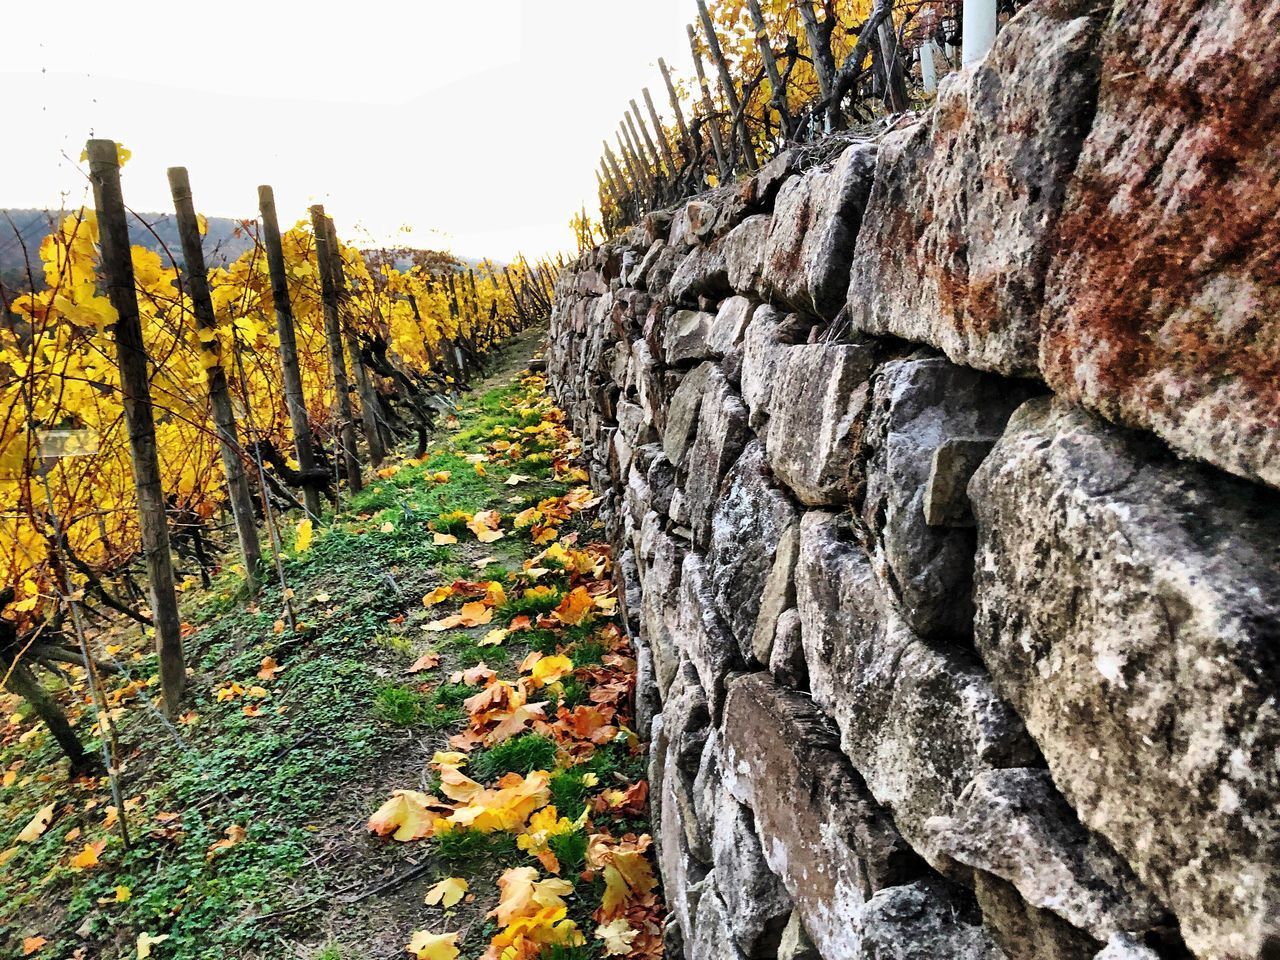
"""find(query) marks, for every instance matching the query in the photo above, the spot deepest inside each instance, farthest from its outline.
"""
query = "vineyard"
(859, 544)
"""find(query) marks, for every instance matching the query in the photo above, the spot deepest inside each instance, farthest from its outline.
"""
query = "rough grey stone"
(685, 337)
(757, 903)
(833, 846)
(919, 723)
(661, 477)
(795, 943)
(682, 413)
(946, 494)
(1123, 947)
(703, 273)
(786, 659)
(917, 404)
(923, 921)
(1128, 608)
(702, 636)
(1025, 932)
(744, 254)
(713, 937)
(1162, 302)
(752, 553)
(657, 268)
(1014, 825)
(811, 238)
(730, 325)
(720, 438)
(961, 223)
(767, 332)
(818, 398)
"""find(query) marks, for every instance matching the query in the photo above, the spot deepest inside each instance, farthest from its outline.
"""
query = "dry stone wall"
(943, 471)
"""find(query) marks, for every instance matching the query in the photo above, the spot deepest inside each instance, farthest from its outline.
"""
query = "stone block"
(1127, 605)
(962, 219)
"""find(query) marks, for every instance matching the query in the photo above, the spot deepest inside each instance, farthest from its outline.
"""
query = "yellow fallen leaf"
(302, 537)
(388, 527)
(493, 638)
(444, 539)
(447, 892)
(617, 936)
(88, 857)
(438, 595)
(269, 669)
(433, 946)
(234, 834)
(574, 608)
(38, 825)
(146, 941)
(405, 816)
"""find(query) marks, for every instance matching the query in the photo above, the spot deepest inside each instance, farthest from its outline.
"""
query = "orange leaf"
(428, 661)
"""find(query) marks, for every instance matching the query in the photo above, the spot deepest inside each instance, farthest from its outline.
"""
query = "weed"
(469, 849)
(400, 705)
(522, 754)
(569, 792)
(570, 849)
(587, 652)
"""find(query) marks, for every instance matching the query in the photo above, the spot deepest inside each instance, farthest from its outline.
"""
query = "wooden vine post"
(294, 399)
(686, 141)
(224, 417)
(652, 156)
(659, 133)
(709, 107)
(779, 98)
(726, 82)
(819, 37)
(337, 356)
(364, 385)
(135, 386)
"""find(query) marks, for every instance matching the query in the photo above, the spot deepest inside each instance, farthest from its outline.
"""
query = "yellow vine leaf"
(447, 892)
(433, 946)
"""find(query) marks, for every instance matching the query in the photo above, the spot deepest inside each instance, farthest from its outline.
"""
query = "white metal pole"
(978, 29)
(928, 68)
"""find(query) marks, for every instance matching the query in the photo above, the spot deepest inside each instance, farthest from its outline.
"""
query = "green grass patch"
(471, 851)
(522, 755)
(399, 705)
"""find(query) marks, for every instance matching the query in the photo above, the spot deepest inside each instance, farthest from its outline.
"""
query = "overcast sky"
(477, 124)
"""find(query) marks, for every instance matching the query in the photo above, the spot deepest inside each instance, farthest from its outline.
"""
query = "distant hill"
(224, 242)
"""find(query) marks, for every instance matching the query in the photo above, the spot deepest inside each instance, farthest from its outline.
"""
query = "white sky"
(477, 124)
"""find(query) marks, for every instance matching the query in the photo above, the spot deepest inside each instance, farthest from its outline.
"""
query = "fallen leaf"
(234, 834)
(406, 816)
(388, 527)
(146, 941)
(493, 638)
(38, 825)
(516, 478)
(574, 608)
(428, 661)
(438, 595)
(444, 539)
(88, 857)
(618, 936)
(433, 946)
(31, 945)
(302, 537)
(269, 669)
(447, 892)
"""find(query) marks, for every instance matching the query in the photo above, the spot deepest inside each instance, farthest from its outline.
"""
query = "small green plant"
(331, 952)
(570, 849)
(402, 706)
(522, 754)
(587, 652)
(468, 849)
(569, 792)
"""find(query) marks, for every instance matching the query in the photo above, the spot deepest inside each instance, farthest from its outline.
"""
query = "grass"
(282, 773)
(522, 755)
(399, 705)
(570, 849)
(473, 851)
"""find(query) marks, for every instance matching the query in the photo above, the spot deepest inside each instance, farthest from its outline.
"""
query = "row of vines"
(769, 74)
(410, 327)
